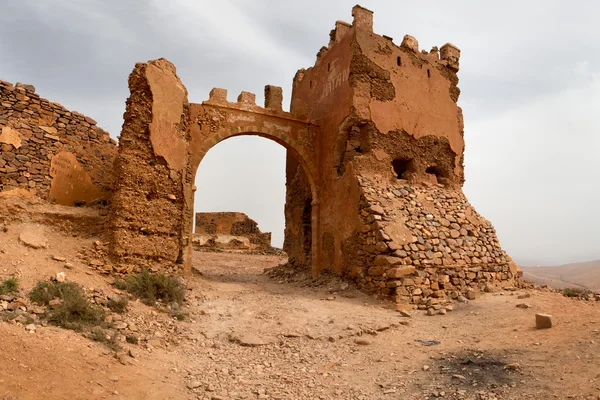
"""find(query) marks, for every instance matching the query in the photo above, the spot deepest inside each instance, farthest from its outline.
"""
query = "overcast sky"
(530, 81)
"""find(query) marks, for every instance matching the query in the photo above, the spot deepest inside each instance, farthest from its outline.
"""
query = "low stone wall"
(424, 242)
(60, 155)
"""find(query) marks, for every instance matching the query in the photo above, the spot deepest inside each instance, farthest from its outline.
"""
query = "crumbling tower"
(393, 214)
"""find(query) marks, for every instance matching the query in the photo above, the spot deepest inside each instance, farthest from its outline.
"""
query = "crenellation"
(339, 32)
(409, 42)
(247, 98)
(274, 98)
(451, 54)
(218, 95)
(363, 18)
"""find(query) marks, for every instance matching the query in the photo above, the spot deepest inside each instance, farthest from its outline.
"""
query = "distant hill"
(585, 275)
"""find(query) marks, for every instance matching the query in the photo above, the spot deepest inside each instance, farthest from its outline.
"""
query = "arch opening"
(254, 194)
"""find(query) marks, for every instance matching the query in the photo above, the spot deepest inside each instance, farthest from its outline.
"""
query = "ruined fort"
(229, 230)
(374, 171)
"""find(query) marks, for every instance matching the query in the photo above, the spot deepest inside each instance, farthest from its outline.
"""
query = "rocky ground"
(249, 335)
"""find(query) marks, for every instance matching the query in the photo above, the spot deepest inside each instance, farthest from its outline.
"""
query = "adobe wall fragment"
(229, 230)
(152, 201)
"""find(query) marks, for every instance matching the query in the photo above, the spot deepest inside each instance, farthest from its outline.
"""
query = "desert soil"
(250, 336)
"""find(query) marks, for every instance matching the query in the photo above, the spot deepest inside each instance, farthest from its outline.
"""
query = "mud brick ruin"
(61, 155)
(374, 172)
(229, 230)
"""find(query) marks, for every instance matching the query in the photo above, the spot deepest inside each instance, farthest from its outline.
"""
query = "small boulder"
(543, 321)
(61, 277)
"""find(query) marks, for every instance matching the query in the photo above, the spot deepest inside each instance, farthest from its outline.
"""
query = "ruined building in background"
(229, 230)
(374, 172)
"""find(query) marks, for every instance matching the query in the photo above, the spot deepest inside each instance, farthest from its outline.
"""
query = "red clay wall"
(393, 215)
(151, 210)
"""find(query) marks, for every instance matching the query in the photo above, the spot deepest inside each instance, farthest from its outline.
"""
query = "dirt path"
(247, 336)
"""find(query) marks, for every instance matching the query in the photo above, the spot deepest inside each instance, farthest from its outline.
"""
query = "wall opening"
(436, 171)
(428, 73)
(241, 175)
(399, 61)
(402, 166)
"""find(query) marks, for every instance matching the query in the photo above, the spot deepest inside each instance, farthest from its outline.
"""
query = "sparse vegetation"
(109, 339)
(572, 292)
(74, 312)
(118, 305)
(131, 339)
(153, 287)
(10, 285)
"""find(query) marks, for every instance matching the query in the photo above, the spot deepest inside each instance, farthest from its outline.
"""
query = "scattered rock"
(248, 339)
(59, 258)
(524, 296)
(523, 305)
(194, 384)
(61, 277)
(362, 341)
(543, 321)
(34, 236)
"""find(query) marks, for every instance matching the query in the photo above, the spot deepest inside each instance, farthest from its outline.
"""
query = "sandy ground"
(247, 336)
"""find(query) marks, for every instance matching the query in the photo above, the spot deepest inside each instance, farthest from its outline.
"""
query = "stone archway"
(216, 120)
(163, 141)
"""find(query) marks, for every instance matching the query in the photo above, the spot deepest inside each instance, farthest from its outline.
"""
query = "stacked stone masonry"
(420, 242)
(60, 155)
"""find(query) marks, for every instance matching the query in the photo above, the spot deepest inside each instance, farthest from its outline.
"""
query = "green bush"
(153, 287)
(9, 286)
(572, 292)
(75, 311)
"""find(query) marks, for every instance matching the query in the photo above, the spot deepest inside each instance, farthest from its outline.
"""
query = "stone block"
(543, 321)
(400, 272)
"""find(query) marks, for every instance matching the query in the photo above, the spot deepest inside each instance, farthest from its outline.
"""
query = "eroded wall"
(393, 215)
(61, 155)
(229, 230)
(151, 206)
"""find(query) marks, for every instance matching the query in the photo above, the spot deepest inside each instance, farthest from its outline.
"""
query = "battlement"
(247, 100)
(448, 55)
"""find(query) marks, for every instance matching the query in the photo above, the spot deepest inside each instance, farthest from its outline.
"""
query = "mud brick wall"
(229, 230)
(151, 201)
(59, 154)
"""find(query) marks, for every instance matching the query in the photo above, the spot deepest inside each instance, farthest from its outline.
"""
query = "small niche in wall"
(399, 61)
(402, 165)
(436, 171)
(428, 73)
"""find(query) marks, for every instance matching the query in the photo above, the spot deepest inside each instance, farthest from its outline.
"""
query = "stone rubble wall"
(422, 244)
(229, 230)
(34, 130)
